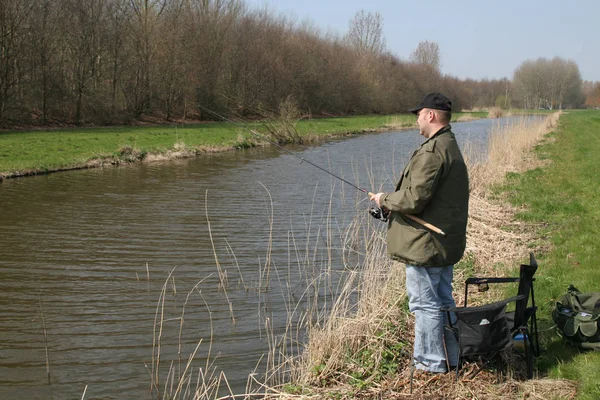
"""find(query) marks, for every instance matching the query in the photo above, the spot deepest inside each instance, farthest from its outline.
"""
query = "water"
(84, 256)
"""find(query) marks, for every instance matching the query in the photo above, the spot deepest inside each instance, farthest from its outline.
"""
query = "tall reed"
(362, 338)
(352, 344)
(493, 234)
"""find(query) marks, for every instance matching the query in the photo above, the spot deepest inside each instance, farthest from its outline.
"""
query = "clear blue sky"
(477, 39)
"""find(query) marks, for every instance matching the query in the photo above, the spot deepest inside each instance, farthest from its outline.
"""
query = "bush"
(495, 112)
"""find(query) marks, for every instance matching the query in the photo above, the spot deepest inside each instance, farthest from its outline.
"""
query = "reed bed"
(364, 344)
(493, 234)
(359, 345)
(495, 112)
(466, 117)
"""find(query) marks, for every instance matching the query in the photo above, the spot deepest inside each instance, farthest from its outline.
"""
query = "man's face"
(423, 122)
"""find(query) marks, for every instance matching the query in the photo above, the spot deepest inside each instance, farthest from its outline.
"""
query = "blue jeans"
(428, 289)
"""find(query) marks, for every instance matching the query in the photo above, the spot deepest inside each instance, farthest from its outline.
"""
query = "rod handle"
(426, 224)
(420, 221)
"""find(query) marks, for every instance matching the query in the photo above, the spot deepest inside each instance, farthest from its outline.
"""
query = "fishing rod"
(376, 212)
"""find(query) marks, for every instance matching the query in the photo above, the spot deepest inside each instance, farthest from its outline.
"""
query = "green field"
(563, 200)
(50, 150)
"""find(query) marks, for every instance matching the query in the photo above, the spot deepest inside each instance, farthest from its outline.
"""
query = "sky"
(482, 39)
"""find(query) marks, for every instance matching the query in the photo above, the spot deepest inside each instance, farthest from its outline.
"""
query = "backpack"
(577, 316)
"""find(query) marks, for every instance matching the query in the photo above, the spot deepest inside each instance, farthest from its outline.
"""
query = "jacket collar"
(445, 129)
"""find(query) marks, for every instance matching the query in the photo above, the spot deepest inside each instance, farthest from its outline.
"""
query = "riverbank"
(26, 153)
(363, 350)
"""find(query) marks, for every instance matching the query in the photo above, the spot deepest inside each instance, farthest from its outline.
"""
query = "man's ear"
(431, 115)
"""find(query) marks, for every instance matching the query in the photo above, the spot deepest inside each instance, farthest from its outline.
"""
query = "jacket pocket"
(410, 244)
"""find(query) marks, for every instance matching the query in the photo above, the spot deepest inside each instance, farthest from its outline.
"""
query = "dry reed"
(368, 326)
(494, 236)
(45, 340)
(466, 117)
(179, 382)
(372, 298)
(399, 122)
(495, 112)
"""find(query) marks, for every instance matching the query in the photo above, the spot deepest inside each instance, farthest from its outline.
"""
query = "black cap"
(435, 101)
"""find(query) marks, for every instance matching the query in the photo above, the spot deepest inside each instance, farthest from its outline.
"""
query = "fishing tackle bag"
(577, 316)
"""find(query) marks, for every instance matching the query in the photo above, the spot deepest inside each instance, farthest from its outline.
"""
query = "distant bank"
(26, 153)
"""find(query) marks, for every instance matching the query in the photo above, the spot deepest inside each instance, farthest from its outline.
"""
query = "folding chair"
(522, 321)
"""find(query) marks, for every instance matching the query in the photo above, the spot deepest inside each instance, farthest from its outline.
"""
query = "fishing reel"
(379, 213)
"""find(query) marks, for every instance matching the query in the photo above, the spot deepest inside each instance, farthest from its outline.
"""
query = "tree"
(119, 18)
(503, 102)
(108, 61)
(14, 29)
(425, 69)
(427, 54)
(568, 84)
(215, 25)
(85, 45)
(592, 94)
(548, 84)
(144, 30)
(45, 17)
(365, 33)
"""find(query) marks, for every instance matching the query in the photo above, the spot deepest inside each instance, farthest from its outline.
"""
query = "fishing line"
(375, 211)
(274, 143)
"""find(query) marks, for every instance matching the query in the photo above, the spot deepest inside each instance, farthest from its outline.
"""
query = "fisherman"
(434, 186)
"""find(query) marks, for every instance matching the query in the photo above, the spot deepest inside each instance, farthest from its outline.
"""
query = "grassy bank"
(30, 152)
(563, 200)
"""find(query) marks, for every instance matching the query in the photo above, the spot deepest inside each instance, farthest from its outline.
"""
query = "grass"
(51, 150)
(26, 152)
(563, 200)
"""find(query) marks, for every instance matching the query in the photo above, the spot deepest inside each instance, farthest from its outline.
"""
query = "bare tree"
(548, 84)
(568, 84)
(118, 20)
(45, 18)
(427, 54)
(143, 32)
(211, 35)
(591, 91)
(365, 33)
(14, 16)
(85, 46)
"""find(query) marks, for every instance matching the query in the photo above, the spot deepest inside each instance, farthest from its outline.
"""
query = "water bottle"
(519, 341)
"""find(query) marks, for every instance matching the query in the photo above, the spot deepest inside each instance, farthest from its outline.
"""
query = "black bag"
(577, 316)
(483, 329)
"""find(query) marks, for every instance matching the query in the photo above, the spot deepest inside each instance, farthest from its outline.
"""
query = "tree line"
(117, 61)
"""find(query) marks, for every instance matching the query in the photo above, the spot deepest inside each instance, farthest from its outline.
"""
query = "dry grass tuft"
(509, 150)
(495, 112)
(400, 122)
(486, 385)
(364, 323)
(281, 125)
(494, 235)
(466, 118)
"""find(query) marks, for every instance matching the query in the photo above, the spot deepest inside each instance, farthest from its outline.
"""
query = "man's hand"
(376, 197)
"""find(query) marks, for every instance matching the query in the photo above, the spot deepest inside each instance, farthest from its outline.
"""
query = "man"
(434, 186)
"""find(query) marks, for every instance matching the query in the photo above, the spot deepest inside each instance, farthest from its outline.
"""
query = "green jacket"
(434, 186)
